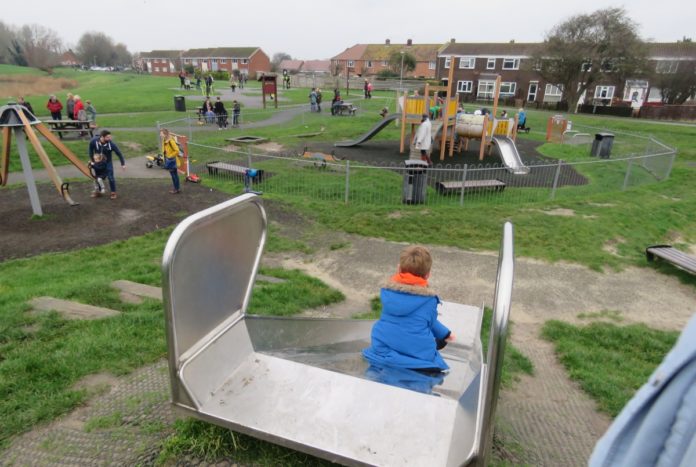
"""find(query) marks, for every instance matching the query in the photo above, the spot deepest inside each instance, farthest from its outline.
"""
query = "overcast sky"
(309, 29)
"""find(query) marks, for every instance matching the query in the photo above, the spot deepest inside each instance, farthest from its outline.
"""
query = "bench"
(345, 108)
(672, 255)
(71, 126)
(469, 185)
(237, 171)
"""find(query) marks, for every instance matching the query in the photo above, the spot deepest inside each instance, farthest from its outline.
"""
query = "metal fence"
(636, 161)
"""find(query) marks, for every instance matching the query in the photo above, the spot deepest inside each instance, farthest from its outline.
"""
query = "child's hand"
(451, 337)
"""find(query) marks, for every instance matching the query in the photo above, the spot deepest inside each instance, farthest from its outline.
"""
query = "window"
(511, 64)
(244, 61)
(385, 63)
(667, 66)
(553, 90)
(431, 65)
(467, 63)
(213, 60)
(604, 92)
(486, 89)
(490, 64)
(607, 66)
(223, 60)
(464, 86)
(187, 60)
(586, 67)
(508, 88)
(447, 61)
(351, 63)
(235, 60)
(194, 62)
(369, 64)
(157, 69)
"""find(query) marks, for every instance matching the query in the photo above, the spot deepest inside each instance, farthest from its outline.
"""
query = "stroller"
(522, 121)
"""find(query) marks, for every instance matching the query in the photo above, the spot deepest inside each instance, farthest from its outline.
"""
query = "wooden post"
(483, 137)
(67, 153)
(445, 115)
(5, 156)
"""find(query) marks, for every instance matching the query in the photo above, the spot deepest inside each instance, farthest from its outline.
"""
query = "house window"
(194, 62)
(607, 66)
(187, 60)
(223, 60)
(553, 90)
(244, 61)
(156, 69)
(351, 64)
(464, 86)
(486, 89)
(385, 63)
(447, 61)
(467, 63)
(586, 67)
(369, 64)
(234, 60)
(431, 65)
(213, 60)
(511, 64)
(667, 66)
(604, 92)
(508, 88)
(490, 64)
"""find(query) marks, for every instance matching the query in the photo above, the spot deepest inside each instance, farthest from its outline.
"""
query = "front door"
(532, 94)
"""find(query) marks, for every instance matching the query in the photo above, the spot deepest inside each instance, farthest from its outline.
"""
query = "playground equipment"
(556, 128)
(17, 117)
(302, 382)
(379, 126)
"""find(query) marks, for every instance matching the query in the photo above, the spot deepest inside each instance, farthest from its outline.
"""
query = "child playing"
(98, 166)
(408, 334)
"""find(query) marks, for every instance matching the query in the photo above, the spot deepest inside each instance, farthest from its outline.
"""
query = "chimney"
(387, 42)
(409, 42)
(452, 41)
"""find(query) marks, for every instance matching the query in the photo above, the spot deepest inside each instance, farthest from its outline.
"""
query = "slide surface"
(373, 131)
(510, 155)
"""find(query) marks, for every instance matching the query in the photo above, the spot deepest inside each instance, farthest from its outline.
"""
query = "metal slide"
(510, 155)
(302, 382)
(373, 131)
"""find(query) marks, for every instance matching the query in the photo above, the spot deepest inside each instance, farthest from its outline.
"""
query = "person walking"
(220, 113)
(170, 151)
(313, 100)
(54, 106)
(233, 83)
(103, 144)
(424, 139)
(365, 88)
(236, 110)
(182, 78)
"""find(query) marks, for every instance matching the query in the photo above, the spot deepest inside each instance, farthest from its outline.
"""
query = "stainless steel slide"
(382, 124)
(510, 155)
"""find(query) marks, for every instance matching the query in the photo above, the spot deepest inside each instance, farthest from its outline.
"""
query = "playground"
(570, 251)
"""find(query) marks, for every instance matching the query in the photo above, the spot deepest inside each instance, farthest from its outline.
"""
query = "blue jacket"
(404, 336)
(658, 426)
(108, 148)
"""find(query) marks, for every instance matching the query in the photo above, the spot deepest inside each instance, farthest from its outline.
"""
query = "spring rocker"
(18, 118)
(302, 382)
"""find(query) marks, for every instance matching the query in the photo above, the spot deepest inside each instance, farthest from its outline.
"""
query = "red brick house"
(160, 62)
(239, 60)
(477, 64)
(370, 59)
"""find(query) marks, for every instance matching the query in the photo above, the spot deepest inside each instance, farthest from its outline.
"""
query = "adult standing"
(424, 139)
(233, 83)
(27, 105)
(318, 100)
(369, 90)
(91, 112)
(170, 151)
(103, 144)
(236, 110)
(77, 108)
(182, 78)
(70, 106)
(313, 100)
(220, 113)
(365, 88)
(54, 106)
(208, 85)
(336, 101)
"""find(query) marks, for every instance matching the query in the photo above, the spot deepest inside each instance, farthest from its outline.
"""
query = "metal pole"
(401, 76)
(248, 157)
(555, 179)
(28, 174)
(347, 181)
(671, 163)
(628, 174)
(461, 195)
(190, 132)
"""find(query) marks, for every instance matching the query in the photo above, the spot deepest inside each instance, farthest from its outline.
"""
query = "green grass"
(43, 355)
(609, 362)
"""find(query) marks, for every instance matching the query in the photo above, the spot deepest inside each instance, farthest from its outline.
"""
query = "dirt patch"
(602, 205)
(133, 146)
(23, 85)
(271, 147)
(611, 246)
(97, 382)
(231, 148)
(395, 215)
(563, 212)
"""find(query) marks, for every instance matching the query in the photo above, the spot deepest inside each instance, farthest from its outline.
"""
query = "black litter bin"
(179, 104)
(602, 144)
(415, 182)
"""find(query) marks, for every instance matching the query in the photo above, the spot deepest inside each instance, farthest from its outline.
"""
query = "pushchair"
(522, 121)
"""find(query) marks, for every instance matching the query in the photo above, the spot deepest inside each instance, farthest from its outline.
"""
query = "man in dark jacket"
(102, 144)
(220, 114)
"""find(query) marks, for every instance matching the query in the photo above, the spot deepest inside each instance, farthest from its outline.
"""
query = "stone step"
(71, 310)
(133, 292)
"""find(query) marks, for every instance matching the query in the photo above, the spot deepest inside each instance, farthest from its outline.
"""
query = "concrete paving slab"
(140, 290)
(71, 310)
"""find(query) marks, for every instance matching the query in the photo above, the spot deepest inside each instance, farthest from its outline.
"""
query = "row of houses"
(238, 60)
(476, 66)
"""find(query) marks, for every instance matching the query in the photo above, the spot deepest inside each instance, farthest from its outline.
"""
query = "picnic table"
(345, 108)
(84, 127)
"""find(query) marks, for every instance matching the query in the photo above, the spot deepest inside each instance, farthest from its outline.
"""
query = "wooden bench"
(71, 126)
(237, 171)
(469, 185)
(672, 255)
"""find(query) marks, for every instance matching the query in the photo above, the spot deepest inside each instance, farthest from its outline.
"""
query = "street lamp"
(401, 76)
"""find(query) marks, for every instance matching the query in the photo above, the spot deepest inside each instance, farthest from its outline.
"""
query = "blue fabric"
(657, 427)
(405, 378)
(404, 336)
(175, 178)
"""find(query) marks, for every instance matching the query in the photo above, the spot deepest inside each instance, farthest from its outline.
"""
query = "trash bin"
(602, 144)
(179, 104)
(415, 182)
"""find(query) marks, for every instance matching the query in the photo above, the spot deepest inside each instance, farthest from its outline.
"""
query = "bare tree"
(6, 37)
(277, 58)
(395, 61)
(588, 49)
(96, 48)
(679, 86)
(41, 45)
